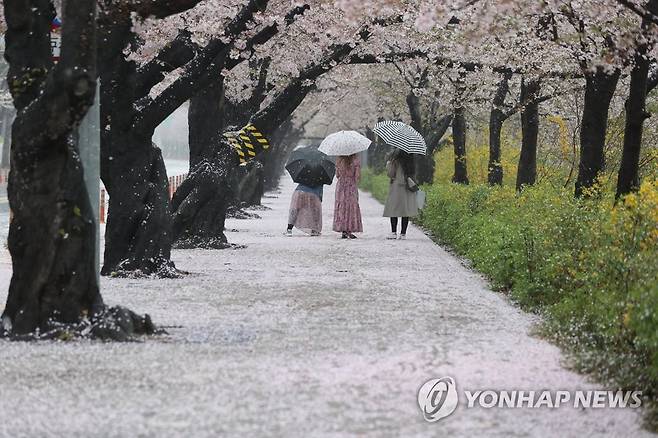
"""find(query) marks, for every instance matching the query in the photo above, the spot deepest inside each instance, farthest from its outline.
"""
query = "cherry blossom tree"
(54, 290)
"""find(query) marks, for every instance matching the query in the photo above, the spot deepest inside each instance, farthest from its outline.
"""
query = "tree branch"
(159, 8)
(205, 67)
(182, 50)
(639, 10)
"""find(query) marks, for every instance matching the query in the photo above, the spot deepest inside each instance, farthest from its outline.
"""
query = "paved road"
(299, 337)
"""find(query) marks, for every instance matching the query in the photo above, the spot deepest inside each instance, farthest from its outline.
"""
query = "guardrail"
(174, 183)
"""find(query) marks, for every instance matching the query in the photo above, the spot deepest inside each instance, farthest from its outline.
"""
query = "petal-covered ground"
(298, 337)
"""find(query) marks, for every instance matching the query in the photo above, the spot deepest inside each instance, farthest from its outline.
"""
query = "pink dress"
(347, 214)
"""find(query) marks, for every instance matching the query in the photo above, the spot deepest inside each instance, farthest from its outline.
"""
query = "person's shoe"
(345, 235)
(392, 236)
(287, 233)
(403, 237)
(315, 233)
(351, 236)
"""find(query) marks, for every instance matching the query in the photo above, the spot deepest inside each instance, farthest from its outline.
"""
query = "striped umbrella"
(401, 136)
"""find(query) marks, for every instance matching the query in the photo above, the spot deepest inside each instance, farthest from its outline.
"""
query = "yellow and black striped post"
(248, 143)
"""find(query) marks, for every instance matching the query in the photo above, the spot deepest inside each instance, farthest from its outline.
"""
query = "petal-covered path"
(298, 337)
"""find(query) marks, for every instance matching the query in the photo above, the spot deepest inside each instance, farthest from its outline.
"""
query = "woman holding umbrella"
(402, 200)
(347, 213)
(311, 169)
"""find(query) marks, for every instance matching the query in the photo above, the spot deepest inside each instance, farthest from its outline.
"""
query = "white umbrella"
(401, 136)
(344, 143)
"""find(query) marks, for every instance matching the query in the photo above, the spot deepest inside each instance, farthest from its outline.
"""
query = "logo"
(437, 398)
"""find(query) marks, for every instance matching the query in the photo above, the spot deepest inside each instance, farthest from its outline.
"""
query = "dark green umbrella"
(310, 167)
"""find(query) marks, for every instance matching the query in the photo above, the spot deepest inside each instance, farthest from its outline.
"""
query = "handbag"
(411, 184)
(420, 199)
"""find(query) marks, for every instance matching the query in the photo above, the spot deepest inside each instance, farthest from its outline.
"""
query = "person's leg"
(405, 224)
(394, 229)
(290, 227)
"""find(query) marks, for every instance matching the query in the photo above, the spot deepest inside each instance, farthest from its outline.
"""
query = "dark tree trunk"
(284, 141)
(206, 121)
(599, 90)
(628, 179)
(377, 152)
(459, 140)
(215, 183)
(425, 164)
(527, 171)
(52, 237)
(139, 228)
(199, 205)
(251, 184)
(431, 132)
(138, 231)
(496, 120)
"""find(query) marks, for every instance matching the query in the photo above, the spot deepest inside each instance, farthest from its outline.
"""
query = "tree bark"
(138, 231)
(52, 237)
(425, 164)
(206, 121)
(527, 170)
(377, 152)
(459, 140)
(599, 90)
(496, 120)
(628, 179)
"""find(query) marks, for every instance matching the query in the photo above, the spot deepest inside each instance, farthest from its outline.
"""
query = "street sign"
(56, 38)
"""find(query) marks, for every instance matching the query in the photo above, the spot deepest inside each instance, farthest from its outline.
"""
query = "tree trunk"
(251, 184)
(459, 140)
(496, 120)
(377, 152)
(599, 90)
(206, 121)
(284, 141)
(527, 171)
(425, 163)
(628, 179)
(138, 235)
(199, 205)
(52, 237)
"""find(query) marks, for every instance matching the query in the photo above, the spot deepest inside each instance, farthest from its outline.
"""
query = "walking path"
(299, 337)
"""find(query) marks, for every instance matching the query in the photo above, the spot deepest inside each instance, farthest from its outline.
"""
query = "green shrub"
(376, 184)
(589, 267)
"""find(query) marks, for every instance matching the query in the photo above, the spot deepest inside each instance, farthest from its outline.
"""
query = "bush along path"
(588, 268)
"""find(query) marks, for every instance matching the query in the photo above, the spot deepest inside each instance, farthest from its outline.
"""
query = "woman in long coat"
(347, 213)
(401, 201)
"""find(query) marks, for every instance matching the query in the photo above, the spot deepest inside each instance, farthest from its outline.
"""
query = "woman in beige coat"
(401, 201)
